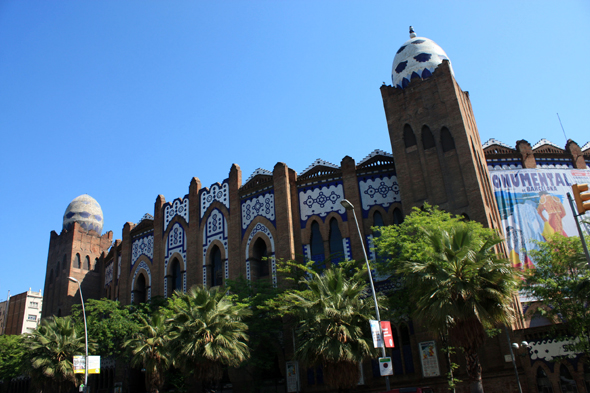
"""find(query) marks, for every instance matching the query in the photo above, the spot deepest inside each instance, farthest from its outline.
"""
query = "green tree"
(150, 349)
(12, 357)
(561, 282)
(208, 332)
(51, 349)
(109, 323)
(462, 287)
(333, 312)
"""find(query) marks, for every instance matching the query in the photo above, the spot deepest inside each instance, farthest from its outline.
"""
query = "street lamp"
(349, 206)
(85, 333)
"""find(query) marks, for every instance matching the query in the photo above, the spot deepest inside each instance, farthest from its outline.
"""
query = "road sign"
(385, 367)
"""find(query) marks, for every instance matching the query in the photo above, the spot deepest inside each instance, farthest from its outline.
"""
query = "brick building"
(21, 313)
(225, 231)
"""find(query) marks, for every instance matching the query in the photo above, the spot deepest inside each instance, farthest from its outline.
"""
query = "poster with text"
(533, 205)
(429, 359)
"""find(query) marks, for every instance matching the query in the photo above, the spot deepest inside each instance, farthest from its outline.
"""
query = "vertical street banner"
(292, 376)
(533, 206)
(376, 333)
(78, 364)
(429, 359)
(93, 364)
(387, 336)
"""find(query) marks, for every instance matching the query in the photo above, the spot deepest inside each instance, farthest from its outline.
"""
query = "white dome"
(417, 58)
(85, 211)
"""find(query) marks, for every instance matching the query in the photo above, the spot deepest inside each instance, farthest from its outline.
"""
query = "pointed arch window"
(175, 283)
(446, 140)
(543, 383)
(77, 263)
(64, 262)
(427, 138)
(566, 381)
(316, 244)
(407, 349)
(409, 136)
(57, 270)
(215, 267)
(95, 266)
(336, 246)
(259, 261)
(398, 216)
(139, 292)
(87, 263)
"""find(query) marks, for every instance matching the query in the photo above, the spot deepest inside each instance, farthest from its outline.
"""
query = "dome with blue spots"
(85, 211)
(416, 58)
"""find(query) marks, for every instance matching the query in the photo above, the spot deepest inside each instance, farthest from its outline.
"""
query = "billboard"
(533, 205)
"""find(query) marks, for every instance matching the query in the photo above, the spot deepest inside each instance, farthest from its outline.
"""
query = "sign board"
(376, 333)
(292, 376)
(429, 359)
(93, 365)
(387, 337)
(385, 367)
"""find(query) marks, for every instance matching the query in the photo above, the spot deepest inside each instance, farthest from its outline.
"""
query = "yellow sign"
(93, 365)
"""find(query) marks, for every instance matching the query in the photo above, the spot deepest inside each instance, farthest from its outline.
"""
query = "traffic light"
(582, 197)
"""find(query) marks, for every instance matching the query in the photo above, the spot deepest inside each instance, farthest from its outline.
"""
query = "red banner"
(387, 337)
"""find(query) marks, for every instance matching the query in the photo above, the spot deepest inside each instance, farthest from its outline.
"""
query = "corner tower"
(75, 252)
(434, 138)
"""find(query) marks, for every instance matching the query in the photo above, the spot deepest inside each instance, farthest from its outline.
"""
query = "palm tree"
(208, 333)
(150, 350)
(333, 331)
(51, 348)
(462, 288)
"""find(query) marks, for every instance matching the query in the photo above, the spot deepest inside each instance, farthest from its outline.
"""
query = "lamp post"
(349, 206)
(85, 334)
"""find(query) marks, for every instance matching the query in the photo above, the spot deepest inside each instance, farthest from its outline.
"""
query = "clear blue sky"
(125, 100)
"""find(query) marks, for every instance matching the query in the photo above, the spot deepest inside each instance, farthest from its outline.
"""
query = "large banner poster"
(533, 205)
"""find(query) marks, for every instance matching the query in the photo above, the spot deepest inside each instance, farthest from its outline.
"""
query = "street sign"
(385, 367)
(376, 333)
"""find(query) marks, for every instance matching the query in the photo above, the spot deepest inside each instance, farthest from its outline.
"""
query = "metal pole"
(513, 360)
(85, 335)
(383, 353)
(569, 197)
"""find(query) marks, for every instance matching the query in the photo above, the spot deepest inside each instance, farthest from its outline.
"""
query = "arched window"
(567, 383)
(317, 244)
(64, 262)
(378, 220)
(446, 140)
(398, 217)
(95, 266)
(336, 246)
(543, 383)
(51, 277)
(139, 292)
(86, 263)
(57, 270)
(427, 138)
(216, 267)
(77, 263)
(175, 278)
(409, 137)
(258, 260)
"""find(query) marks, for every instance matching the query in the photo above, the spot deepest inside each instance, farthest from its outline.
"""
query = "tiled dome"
(85, 211)
(417, 58)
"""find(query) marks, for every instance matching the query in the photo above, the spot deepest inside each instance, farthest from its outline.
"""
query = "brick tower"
(75, 252)
(434, 138)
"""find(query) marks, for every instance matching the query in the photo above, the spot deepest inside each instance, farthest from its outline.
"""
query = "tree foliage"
(561, 282)
(333, 313)
(12, 356)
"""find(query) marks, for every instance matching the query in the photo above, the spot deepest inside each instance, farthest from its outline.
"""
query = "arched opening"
(59, 312)
(543, 383)
(77, 263)
(566, 381)
(57, 270)
(446, 140)
(258, 260)
(95, 265)
(316, 244)
(64, 262)
(175, 278)
(409, 137)
(139, 292)
(216, 267)
(407, 349)
(86, 263)
(336, 246)
(51, 277)
(427, 138)
(378, 220)
(398, 216)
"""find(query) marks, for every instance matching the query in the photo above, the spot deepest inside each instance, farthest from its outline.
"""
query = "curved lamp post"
(85, 333)
(349, 206)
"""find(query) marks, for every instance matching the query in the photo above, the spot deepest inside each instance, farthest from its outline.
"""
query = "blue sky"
(125, 100)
